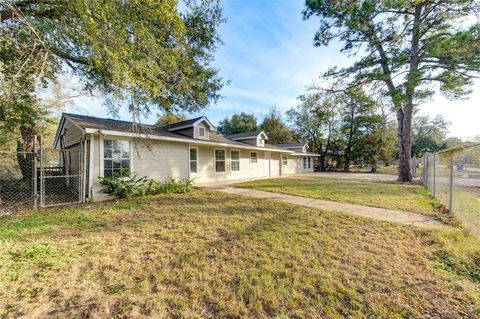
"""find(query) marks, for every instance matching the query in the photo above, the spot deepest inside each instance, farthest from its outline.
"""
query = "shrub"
(126, 187)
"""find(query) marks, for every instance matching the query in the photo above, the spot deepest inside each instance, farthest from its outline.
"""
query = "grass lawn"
(207, 254)
(391, 169)
(382, 194)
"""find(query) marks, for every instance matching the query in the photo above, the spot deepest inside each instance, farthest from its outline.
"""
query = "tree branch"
(68, 57)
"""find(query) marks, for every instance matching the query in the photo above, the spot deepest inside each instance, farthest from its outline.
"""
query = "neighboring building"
(188, 149)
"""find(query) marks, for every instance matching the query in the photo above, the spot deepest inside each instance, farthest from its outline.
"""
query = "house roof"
(187, 123)
(91, 123)
(291, 145)
(245, 135)
(85, 121)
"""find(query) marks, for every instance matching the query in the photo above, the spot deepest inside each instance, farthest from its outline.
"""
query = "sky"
(269, 59)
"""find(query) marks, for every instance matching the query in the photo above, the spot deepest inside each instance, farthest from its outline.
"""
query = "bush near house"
(127, 187)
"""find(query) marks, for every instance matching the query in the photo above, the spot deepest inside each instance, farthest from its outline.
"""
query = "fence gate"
(61, 176)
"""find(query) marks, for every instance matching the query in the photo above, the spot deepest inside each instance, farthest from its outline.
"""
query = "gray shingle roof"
(92, 122)
(251, 134)
(291, 145)
(182, 123)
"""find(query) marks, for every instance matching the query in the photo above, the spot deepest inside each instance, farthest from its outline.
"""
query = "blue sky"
(269, 59)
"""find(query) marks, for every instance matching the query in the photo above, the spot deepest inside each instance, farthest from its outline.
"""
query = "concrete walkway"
(390, 215)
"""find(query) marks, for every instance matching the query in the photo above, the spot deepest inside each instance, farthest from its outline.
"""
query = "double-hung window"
(116, 158)
(193, 160)
(219, 161)
(309, 162)
(201, 131)
(304, 163)
(235, 161)
(284, 160)
(253, 157)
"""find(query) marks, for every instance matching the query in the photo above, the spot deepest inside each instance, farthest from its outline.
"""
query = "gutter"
(182, 140)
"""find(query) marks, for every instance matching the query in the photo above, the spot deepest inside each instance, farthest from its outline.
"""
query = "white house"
(188, 149)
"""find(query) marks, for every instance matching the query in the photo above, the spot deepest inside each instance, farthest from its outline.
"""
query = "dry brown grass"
(390, 195)
(208, 254)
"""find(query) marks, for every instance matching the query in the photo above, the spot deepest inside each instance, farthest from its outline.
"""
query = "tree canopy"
(408, 49)
(169, 118)
(237, 123)
(275, 127)
(147, 53)
(344, 128)
(143, 55)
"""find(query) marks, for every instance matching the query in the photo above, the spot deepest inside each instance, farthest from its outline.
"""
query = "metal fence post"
(425, 170)
(434, 166)
(42, 179)
(34, 167)
(450, 201)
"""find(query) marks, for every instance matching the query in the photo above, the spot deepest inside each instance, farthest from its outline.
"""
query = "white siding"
(295, 166)
(70, 134)
(161, 159)
(152, 158)
(206, 162)
(275, 163)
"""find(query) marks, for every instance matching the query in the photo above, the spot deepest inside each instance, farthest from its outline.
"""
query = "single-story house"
(187, 149)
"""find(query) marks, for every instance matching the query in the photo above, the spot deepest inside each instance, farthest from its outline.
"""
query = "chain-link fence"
(61, 176)
(41, 178)
(453, 177)
(17, 181)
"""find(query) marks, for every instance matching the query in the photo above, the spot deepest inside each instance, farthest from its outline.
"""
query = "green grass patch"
(209, 254)
(413, 198)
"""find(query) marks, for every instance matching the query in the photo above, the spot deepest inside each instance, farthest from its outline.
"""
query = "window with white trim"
(116, 158)
(304, 163)
(193, 160)
(284, 160)
(201, 131)
(220, 161)
(253, 157)
(309, 162)
(235, 161)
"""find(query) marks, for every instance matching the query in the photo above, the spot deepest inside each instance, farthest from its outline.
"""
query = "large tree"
(275, 127)
(358, 115)
(405, 46)
(237, 123)
(315, 120)
(143, 54)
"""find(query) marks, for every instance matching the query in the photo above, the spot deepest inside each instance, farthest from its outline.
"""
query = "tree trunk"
(404, 118)
(322, 163)
(404, 115)
(323, 154)
(25, 152)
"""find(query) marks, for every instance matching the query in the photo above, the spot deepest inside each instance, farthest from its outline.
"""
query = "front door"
(267, 163)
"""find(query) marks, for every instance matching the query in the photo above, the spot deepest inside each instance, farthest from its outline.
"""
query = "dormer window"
(201, 132)
(198, 128)
(256, 138)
